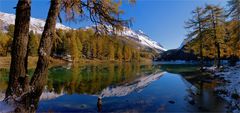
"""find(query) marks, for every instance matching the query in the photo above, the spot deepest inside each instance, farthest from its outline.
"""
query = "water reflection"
(124, 87)
(134, 86)
(91, 78)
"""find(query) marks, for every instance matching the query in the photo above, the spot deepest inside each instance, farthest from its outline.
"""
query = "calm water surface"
(126, 88)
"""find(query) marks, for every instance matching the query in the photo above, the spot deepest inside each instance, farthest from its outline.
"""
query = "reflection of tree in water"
(200, 92)
(88, 79)
(94, 78)
(73, 83)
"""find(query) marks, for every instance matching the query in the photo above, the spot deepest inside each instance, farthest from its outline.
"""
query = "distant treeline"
(82, 44)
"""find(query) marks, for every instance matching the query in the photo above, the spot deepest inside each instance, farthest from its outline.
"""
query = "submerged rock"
(203, 109)
(192, 102)
(171, 102)
(235, 96)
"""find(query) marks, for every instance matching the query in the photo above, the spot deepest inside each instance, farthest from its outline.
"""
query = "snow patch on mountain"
(135, 86)
(142, 38)
(37, 25)
(137, 36)
(185, 41)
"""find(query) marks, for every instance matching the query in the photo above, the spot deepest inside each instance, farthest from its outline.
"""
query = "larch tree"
(99, 48)
(197, 25)
(234, 14)
(119, 53)
(29, 101)
(216, 20)
(33, 44)
(5, 41)
(93, 49)
(79, 46)
(73, 46)
(10, 30)
(111, 51)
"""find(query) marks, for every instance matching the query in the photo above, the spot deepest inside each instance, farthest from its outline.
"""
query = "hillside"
(177, 54)
(37, 26)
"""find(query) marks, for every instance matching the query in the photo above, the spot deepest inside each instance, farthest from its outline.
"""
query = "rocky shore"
(229, 88)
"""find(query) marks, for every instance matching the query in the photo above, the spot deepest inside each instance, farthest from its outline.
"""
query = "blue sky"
(162, 20)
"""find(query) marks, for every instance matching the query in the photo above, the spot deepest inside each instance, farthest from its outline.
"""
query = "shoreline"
(32, 62)
(229, 88)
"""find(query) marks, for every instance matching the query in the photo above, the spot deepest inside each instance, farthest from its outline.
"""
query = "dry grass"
(32, 62)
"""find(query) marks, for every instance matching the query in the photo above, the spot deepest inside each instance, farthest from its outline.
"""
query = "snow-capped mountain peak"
(37, 25)
(142, 38)
(137, 36)
(185, 41)
(140, 31)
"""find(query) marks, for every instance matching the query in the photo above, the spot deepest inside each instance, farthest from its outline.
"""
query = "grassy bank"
(97, 61)
(32, 62)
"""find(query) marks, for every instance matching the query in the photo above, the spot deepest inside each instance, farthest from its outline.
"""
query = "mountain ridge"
(37, 25)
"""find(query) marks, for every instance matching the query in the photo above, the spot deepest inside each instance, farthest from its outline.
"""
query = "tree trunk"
(29, 100)
(18, 76)
(218, 55)
(201, 56)
(39, 79)
(200, 24)
(46, 44)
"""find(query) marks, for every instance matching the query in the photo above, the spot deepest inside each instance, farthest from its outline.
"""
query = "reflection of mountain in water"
(122, 90)
(2, 95)
(88, 80)
(126, 89)
(45, 95)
